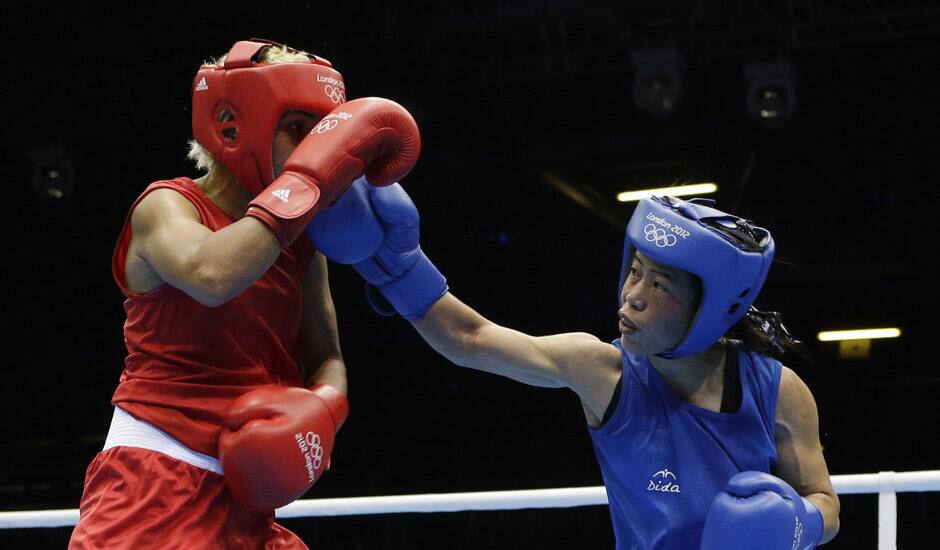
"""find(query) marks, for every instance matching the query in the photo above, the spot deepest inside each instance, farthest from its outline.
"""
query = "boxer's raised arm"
(371, 135)
(170, 238)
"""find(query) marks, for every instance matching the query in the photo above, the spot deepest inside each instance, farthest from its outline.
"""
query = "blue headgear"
(684, 235)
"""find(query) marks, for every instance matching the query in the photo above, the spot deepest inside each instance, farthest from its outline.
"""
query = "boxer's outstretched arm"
(576, 360)
(376, 230)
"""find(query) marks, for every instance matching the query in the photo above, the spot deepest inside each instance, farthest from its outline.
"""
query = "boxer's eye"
(225, 115)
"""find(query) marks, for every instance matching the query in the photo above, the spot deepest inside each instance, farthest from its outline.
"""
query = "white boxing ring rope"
(885, 484)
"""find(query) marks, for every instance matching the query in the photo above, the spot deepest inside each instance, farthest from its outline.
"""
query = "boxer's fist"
(396, 265)
(372, 135)
(760, 511)
(349, 231)
(277, 441)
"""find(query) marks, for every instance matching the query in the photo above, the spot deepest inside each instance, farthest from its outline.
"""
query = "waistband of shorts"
(127, 431)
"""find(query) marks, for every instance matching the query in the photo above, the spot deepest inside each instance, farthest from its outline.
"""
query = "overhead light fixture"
(53, 173)
(865, 334)
(856, 344)
(677, 191)
(771, 93)
(657, 82)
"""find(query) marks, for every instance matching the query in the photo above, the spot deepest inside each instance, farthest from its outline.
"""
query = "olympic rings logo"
(324, 126)
(313, 441)
(335, 93)
(312, 452)
(658, 236)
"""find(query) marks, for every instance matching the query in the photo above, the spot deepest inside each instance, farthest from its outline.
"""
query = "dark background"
(504, 93)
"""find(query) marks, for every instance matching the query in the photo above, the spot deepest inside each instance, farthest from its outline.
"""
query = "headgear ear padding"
(696, 238)
(237, 106)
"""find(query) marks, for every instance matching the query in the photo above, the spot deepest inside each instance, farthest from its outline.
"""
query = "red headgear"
(256, 95)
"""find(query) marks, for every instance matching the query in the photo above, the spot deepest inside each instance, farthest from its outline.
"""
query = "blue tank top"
(664, 460)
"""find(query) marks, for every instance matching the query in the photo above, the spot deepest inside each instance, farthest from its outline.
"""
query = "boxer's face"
(658, 305)
(290, 131)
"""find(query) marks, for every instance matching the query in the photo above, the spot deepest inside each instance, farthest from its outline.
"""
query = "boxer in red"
(234, 385)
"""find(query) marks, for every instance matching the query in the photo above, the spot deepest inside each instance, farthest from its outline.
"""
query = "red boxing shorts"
(140, 498)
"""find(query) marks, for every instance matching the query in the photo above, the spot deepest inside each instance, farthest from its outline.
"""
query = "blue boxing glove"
(760, 511)
(348, 232)
(376, 230)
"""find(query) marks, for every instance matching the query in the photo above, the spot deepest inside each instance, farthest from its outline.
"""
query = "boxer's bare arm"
(319, 339)
(173, 246)
(800, 460)
(579, 361)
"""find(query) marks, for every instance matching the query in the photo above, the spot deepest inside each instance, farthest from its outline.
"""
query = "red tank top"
(186, 362)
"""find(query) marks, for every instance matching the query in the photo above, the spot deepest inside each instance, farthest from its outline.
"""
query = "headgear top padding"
(684, 235)
(255, 96)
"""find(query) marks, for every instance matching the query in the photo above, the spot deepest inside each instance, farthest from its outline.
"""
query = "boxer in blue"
(703, 438)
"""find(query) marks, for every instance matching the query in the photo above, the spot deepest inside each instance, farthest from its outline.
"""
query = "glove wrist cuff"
(286, 206)
(813, 530)
(335, 402)
(413, 294)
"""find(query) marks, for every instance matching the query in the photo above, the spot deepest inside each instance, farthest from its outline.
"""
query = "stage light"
(52, 176)
(856, 344)
(771, 93)
(657, 82)
(863, 334)
(696, 189)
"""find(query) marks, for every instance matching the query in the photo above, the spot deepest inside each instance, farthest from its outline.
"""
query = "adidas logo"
(282, 194)
(201, 85)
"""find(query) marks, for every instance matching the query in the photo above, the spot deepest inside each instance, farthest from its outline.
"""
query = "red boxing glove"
(277, 443)
(371, 135)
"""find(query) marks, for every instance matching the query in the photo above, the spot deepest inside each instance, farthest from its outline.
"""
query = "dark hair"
(764, 332)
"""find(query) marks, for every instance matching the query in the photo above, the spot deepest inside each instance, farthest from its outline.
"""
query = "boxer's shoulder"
(591, 366)
(162, 205)
(580, 350)
(154, 221)
(796, 407)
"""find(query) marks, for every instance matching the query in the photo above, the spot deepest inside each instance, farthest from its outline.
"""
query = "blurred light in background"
(865, 334)
(677, 191)
(856, 344)
(53, 173)
(657, 83)
(771, 93)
